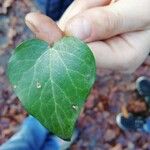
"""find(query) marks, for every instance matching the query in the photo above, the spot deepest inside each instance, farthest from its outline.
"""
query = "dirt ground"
(97, 125)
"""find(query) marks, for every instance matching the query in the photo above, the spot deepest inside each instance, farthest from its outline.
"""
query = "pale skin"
(118, 32)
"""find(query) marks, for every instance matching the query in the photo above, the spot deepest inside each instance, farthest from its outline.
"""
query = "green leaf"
(53, 82)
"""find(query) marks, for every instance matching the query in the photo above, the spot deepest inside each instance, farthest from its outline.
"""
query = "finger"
(77, 7)
(43, 27)
(104, 22)
(126, 56)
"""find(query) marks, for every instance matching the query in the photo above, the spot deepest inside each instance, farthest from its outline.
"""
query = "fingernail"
(80, 28)
(31, 26)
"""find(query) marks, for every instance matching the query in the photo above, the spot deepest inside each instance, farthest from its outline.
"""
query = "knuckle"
(112, 20)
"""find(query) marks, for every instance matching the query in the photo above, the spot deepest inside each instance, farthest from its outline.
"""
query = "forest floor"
(112, 90)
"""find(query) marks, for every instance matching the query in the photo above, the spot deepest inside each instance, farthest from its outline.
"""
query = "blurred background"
(111, 93)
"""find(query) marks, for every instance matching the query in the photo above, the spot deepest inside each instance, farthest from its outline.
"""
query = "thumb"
(104, 22)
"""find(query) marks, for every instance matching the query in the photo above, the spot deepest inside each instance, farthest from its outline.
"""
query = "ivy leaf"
(53, 82)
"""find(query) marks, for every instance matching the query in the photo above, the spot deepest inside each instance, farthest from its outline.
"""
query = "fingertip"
(30, 22)
(31, 15)
(43, 27)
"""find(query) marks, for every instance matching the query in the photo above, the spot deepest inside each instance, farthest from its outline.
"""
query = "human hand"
(118, 34)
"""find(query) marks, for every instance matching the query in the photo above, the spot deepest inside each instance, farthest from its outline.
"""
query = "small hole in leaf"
(38, 85)
(75, 107)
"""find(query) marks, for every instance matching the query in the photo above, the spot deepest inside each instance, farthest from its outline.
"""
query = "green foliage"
(53, 82)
